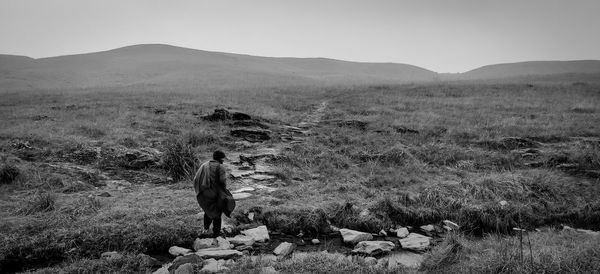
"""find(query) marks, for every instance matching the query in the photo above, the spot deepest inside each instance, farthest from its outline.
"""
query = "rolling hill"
(169, 65)
(173, 67)
(533, 68)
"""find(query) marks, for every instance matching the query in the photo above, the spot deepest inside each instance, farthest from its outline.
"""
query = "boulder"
(373, 248)
(315, 241)
(251, 135)
(217, 253)
(383, 233)
(354, 237)
(241, 195)
(370, 261)
(240, 116)
(204, 243)
(147, 260)
(416, 242)
(452, 225)
(163, 270)
(402, 232)
(111, 256)
(428, 228)
(179, 251)
(268, 270)
(187, 259)
(214, 266)
(223, 243)
(259, 234)
(219, 114)
(185, 269)
(104, 194)
(284, 249)
(403, 259)
(241, 240)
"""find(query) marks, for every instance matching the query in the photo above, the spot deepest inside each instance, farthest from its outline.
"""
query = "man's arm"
(222, 176)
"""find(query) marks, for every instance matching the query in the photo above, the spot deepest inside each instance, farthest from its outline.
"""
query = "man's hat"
(219, 155)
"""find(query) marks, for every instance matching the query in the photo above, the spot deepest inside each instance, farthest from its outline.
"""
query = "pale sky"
(440, 35)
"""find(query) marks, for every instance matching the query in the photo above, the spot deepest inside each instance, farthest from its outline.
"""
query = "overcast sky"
(440, 35)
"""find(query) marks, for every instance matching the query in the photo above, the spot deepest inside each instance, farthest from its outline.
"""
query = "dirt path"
(251, 170)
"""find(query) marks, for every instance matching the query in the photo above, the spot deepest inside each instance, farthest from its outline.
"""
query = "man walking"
(209, 183)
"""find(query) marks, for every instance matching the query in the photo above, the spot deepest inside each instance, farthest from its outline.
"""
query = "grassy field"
(406, 155)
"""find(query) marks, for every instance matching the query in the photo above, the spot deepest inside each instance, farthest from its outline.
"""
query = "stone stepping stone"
(211, 253)
(262, 177)
(373, 248)
(404, 259)
(241, 195)
(259, 234)
(353, 237)
(244, 189)
(237, 173)
(415, 241)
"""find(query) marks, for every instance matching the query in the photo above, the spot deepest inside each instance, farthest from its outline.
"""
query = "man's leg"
(216, 227)
(207, 221)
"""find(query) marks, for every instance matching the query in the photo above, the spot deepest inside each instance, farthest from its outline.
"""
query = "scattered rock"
(354, 237)
(187, 259)
(104, 194)
(249, 123)
(244, 248)
(509, 143)
(148, 260)
(259, 234)
(240, 116)
(587, 231)
(219, 114)
(268, 270)
(217, 253)
(370, 261)
(214, 266)
(111, 256)
(163, 270)
(204, 243)
(241, 196)
(179, 251)
(362, 125)
(503, 203)
(244, 189)
(451, 225)
(404, 259)
(403, 129)
(373, 248)
(262, 177)
(241, 240)
(284, 249)
(251, 135)
(223, 243)
(415, 241)
(185, 269)
(315, 241)
(428, 228)
(402, 232)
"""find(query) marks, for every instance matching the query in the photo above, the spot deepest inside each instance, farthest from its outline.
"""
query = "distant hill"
(180, 67)
(170, 67)
(534, 68)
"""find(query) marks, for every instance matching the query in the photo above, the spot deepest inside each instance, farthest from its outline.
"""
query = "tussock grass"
(313, 263)
(127, 264)
(40, 202)
(180, 159)
(553, 252)
(8, 174)
(292, 220)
